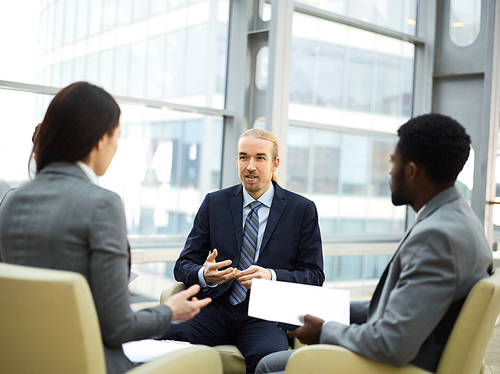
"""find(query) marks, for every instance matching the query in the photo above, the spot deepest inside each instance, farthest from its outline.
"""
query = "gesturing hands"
(245, 276)
(212, 273)
(183, 308)
(310, 332)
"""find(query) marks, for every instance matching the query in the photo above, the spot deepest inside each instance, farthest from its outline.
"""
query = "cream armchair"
(48, 324)
(463, 353)
(233, 361)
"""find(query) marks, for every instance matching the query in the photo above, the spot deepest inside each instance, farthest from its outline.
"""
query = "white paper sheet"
(285, 301)
(148, 349)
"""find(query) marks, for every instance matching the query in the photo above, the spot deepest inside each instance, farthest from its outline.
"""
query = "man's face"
(255, 164)
(397, 183)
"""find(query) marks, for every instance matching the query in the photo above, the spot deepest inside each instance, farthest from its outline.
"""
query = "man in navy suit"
(275, 233)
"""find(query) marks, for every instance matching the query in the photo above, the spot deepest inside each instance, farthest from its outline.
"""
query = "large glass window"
(172, 51)
(350, 89)
(393, 14)
(348, 77)
(165, 164)
(346, 175)
(176, 52)
(21, 112)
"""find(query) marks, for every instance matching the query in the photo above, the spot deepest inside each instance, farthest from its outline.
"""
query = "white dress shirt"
(89, 172)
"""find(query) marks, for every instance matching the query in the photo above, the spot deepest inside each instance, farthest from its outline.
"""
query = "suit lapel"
(277, 208)
(237, 212)
(438, 200)
(380, 286)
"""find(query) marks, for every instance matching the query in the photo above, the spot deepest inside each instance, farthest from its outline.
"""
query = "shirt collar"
(420, 211)
(88, 172)
(266, 198)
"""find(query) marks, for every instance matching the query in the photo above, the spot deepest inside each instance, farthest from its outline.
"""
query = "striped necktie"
(248, 248)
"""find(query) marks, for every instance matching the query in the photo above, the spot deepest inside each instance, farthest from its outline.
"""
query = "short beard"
(398, 199)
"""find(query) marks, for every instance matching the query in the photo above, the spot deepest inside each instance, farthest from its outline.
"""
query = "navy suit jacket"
(291, 245)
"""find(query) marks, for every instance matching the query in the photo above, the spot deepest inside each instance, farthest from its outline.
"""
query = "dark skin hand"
(310, 332)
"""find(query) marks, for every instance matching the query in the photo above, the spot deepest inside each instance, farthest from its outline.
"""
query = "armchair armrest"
(170, 290)
(323, 358)
(197, 359)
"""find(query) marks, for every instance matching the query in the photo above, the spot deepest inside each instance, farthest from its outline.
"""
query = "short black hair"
(436, 142)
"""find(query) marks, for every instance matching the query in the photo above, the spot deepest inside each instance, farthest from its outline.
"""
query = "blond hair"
(266, 135)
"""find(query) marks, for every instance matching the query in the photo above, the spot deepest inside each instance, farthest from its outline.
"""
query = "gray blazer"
(60, 220)
(422, 289)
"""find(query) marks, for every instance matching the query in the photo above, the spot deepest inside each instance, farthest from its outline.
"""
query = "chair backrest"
(467, 343)
(48, 322)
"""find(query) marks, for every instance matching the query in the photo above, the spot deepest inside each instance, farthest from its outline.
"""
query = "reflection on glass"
(350, 267)
(354, 164)
(496, 207)
(465, 180)
(393, 14)
(165, 164)
(262, 68)
(169, 51)
(153, 277)
(346, 175)
(260, 123)
(355, 268)
(265, 10)
(19, 27)
(465, 21)
(349, 77)
(21, 112)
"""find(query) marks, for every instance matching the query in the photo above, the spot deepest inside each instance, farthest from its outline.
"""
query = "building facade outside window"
(166, 62)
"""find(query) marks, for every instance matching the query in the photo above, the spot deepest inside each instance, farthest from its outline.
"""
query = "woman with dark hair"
(63, 220)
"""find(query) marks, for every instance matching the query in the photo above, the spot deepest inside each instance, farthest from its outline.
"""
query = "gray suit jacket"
(422, 289)
(60, 220)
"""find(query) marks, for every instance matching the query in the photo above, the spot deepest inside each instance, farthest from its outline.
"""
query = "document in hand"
(285, 301)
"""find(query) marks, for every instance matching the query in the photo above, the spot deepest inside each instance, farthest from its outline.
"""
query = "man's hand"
(183, 308)
(245, 276)
(310, 332)
(212, 273)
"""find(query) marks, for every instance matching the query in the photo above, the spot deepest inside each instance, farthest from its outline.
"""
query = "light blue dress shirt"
(266, 199)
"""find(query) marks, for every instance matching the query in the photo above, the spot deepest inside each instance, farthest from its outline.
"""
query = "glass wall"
(350, 89)
(20, 112)
(173, 51)
(349, 77)
(393, 14)
(169, 50)
(347, 176)
(150, 53)
(165, 164)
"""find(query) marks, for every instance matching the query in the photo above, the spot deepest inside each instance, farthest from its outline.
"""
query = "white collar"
(266, 198)
(89, 172)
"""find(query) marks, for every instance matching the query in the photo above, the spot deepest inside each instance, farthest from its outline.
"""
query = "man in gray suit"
(440, 258)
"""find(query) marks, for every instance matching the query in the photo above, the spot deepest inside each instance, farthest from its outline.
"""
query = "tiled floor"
(492, 355)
